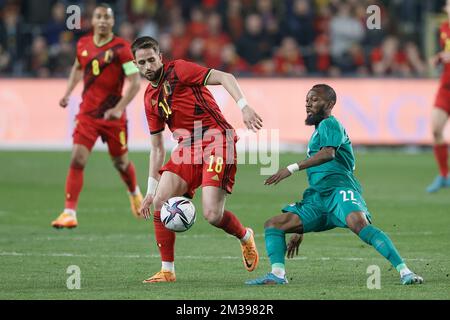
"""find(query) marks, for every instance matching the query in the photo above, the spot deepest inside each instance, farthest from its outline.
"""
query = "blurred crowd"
(245, 37)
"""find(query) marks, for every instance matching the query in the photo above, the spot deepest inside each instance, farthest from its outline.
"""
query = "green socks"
(275, 246)
(382, 243)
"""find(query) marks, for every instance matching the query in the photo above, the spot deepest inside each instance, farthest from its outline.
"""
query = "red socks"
(441, 155)
(129, 177)
(165, 239)
(74, 183)
(231, 225)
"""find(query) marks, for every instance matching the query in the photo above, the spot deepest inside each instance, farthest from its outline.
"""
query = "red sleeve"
(78, 50)
(154, 121)
(190, 73)
(125, 54)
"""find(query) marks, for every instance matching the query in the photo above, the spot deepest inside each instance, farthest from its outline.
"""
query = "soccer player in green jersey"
(333, 199)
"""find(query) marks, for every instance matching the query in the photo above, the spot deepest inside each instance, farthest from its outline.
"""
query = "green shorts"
(327, 210)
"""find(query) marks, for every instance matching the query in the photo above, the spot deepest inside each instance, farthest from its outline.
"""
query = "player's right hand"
(251, 119)
(64, 102)
(293, 244)
(445, 56)
(145, 206)
(277, 177)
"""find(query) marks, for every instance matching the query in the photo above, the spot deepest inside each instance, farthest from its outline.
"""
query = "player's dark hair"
(106, 6)
(144, 43)
(327, 90)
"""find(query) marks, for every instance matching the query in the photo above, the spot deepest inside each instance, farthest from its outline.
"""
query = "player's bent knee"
(212, 216)
(78, 162)
(356, 221)
(438, 135)
(277, 222)
(287, 222)
(269, 223)
(121, 165)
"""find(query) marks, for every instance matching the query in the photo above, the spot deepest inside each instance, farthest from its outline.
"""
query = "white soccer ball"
(178, 214)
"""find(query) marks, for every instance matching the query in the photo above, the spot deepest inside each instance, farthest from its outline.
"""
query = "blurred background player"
(103, 61)
(333, 199)
(206, 152)
(441, 110)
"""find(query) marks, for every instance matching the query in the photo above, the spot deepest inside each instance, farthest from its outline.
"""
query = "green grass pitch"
(115, 252)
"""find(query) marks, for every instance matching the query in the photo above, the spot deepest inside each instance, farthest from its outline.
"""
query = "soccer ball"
(178, 214)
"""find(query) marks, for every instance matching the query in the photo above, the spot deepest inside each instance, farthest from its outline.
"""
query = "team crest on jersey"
(109, 54)
(167, 88)
(84, 53)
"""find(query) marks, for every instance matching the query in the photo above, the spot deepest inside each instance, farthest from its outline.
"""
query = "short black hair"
(104, 5)
(327, 90)
(145, 42)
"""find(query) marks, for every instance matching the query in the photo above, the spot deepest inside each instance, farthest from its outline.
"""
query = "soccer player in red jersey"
(205, 155)
(441, 110)
(103, 61)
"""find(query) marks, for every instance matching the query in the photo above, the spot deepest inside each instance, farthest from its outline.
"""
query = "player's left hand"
(113, 114)
(251, 119)
(145, 207)
(293, 244)
(277, 177)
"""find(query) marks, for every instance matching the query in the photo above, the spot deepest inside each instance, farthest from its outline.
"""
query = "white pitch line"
(193, 236)
(188, 257)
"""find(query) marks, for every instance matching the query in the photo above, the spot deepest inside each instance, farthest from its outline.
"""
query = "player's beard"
(315, 119)
(155, 76)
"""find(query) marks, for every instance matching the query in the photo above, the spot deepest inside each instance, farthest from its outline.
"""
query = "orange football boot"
(250, 253)
(65, 220)
(162, 276)
(136, 202)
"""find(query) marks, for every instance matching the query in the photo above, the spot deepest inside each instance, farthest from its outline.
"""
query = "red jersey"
(181, 100)
(103, 74)
(445, 44)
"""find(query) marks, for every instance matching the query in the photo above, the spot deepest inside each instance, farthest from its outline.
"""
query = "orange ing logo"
(447, 45)
(446, 41)
(123, 139)
(165, 106)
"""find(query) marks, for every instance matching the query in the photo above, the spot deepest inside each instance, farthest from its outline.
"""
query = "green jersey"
(339, 171)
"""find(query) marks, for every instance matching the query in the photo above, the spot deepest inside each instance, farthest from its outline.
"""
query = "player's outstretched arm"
(251, 119)
(324, 155)
(116, 112)
(75, 76)
(156, 160)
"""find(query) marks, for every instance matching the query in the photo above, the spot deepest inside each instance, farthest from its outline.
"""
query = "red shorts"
(213, 165)
(442, 100)
(113, 132)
